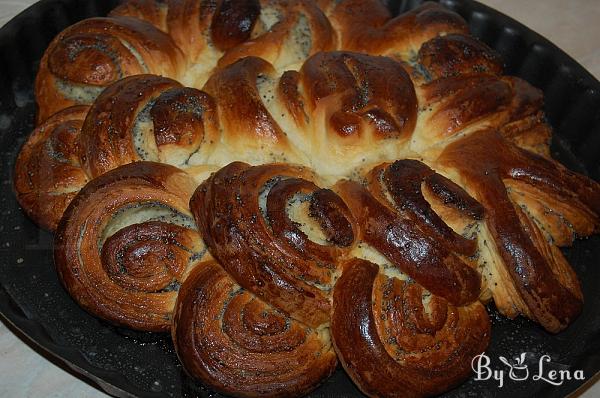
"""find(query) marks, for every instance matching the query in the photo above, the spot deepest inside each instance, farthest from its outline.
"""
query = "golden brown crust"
(233, 22)
(338, 87)
(150, 11)
(126, 242)
(367, 26)
(145, 117)
(459, 105)
(457, 54)
(106, 136)
(394, 218)
(485, 160)
(302, 30)
(392, 344)
(272, 259)
(289, 91)
(90, 55)
(242, 112)
(369, 90)
(178, 116)
(48, 172)
(245, 219)
(239, 345)
(189, 23)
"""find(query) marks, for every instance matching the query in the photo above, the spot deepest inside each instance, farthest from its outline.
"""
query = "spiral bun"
(394, 343)
(240, 345)
(90, 55)
(48, 171)
(126, 243)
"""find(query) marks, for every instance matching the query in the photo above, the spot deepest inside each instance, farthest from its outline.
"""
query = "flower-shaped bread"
(282, 184)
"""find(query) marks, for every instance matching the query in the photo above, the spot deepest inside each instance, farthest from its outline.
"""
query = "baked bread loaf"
(282, 184)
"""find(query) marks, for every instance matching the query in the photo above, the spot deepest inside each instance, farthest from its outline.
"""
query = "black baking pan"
(128, 363)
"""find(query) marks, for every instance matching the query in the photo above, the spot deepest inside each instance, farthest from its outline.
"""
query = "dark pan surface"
(127, 363)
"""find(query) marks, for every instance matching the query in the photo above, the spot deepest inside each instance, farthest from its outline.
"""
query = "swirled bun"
(126, 243)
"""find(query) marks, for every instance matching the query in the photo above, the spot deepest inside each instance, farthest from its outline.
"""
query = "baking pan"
(128, 363)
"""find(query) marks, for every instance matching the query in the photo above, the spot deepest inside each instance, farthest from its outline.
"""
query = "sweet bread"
(286, 184)
(127, 242)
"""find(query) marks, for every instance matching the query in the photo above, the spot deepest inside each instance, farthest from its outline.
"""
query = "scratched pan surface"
(127, 363)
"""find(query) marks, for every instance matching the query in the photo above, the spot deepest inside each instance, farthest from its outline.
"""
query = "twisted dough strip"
(337, 115)
(409, 328)
(216, 34)
(532, 203)
(368, 27)
(78, 144)
(257, 324)
(182, 40)
(146, 117)
(410, 342)
(340, 113)
(189, 40)
(244, 216)
(395, 219)
(242, 346)
(126, 243)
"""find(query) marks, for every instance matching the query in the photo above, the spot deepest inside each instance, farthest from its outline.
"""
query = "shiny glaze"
(390, 346)
(457, 54)
(181, 123)
(368, 26)
(370, 90)
(97, 52)
(241, 109)
(284, 82)
(333, 215)
(240, 345)
(289, 92)
(146, 256)
(410, 235)
(179, 115)
(233, 22)
(131, 278)
(274, 264)
(485, 160)
(48, 172)
(106, 134)
(301, 30)
(403, 180)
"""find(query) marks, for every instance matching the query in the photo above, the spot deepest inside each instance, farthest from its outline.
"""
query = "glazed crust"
(92, 54)
(246, 216)
(48, 172)
(273, 272)
(126, 242)
(364, 184)
(394, 217)
(335, 111)
(242, 346)
(392, 345)
(269, 256)
(548, 288)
